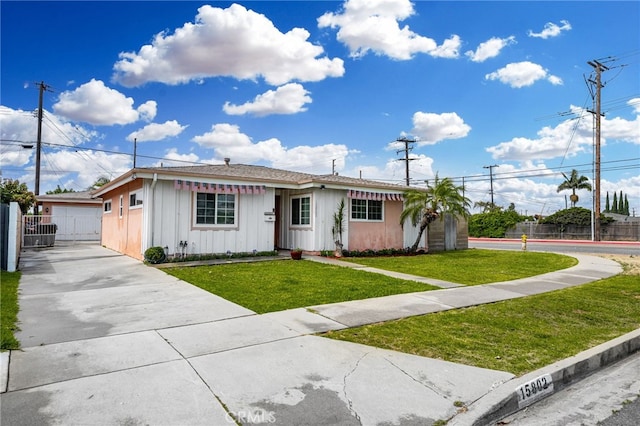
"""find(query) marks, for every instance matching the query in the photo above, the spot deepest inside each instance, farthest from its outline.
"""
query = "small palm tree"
(574, 182)
(424, 207)
(338, 227)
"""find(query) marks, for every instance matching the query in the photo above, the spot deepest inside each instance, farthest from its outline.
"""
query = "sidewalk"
(108, 340)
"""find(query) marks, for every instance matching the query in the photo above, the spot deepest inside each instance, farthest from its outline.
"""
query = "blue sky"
(320, 86)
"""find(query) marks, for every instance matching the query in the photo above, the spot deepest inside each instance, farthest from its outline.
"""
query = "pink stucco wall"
(123, 234)
(378, 235)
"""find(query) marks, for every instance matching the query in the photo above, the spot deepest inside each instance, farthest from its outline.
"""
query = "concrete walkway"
(108, 340)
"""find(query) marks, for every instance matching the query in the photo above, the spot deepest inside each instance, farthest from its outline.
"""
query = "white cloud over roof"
(229, 142)
(157, 131)
(373, 25)
(233, 42)
(288, 99)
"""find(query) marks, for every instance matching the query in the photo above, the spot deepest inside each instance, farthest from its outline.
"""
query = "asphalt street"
(604, 398)
(560, 246)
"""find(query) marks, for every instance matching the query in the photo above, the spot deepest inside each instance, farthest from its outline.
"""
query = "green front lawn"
(518, 335)
(473, 266)
(9, 309)
(284, 284)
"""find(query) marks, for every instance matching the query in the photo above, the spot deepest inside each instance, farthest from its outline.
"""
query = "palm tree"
(424, 207)
(101, 181)
(574, 182)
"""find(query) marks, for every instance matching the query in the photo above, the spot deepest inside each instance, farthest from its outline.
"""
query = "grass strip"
(9, 309)
(284, 284)
(473, 266)
(519, 335)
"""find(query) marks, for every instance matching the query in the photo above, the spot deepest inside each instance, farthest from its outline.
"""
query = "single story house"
(241, 208)
(78, 215)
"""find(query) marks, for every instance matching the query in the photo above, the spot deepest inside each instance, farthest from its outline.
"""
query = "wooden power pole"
(42, 87)
(599, 68)
(406, 141)
(491, 180)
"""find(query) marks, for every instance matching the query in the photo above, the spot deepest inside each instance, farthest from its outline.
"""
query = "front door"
(276, 228)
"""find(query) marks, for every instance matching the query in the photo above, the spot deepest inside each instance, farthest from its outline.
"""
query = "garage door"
(77, 223)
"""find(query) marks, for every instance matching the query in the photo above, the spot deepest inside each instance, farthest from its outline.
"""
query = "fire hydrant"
(524, 241)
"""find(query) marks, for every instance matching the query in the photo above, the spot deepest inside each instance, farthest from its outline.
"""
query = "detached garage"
(78, 216)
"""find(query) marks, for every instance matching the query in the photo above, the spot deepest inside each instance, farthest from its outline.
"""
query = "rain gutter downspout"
(153, 207)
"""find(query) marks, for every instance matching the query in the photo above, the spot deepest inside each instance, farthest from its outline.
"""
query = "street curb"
(4, 371)
(566, 242)
(503, 401)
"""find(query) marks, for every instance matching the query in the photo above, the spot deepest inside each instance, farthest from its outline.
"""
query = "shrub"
(154, 255)
(494, 223)
(574, 216)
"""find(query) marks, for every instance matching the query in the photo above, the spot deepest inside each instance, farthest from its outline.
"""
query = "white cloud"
(288, 99)
(431, 128)
(157, 131)
(522, 74)
(222, 135)
(551, 30)
(373, 25)
(232, 42)
(490, 48)
(148, 110)
(18, 127)
(81, 168)
(173, 158)
(394, 171)
(95, 103)
(568, 138)
(228, 142)
(621, 129)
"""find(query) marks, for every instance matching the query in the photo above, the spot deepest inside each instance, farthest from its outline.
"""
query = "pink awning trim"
(218, 188)
(377, 196)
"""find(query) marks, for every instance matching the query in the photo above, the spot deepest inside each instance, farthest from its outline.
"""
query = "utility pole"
(462, 186)
(135, 148)
(491, 180)
(333, 167)
(599, 68)
(406, 141)
(42, 87)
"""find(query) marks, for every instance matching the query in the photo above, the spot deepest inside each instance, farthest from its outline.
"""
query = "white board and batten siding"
(317, 235)
(169, 217)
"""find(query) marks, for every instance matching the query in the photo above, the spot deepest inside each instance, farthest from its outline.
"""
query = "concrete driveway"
(108, 340)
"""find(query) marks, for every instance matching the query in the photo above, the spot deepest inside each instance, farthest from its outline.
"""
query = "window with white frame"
(370, 210)
(215, 209)
(301, 210)
(107, 206)
(135, 199)
(121, 206)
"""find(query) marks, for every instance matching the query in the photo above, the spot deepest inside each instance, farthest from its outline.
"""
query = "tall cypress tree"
(607, 208)
(620, 204)
(614, 206)
(626, 205)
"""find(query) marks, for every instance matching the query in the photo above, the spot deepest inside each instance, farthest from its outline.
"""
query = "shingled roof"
(267, 174)
(69, 197)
